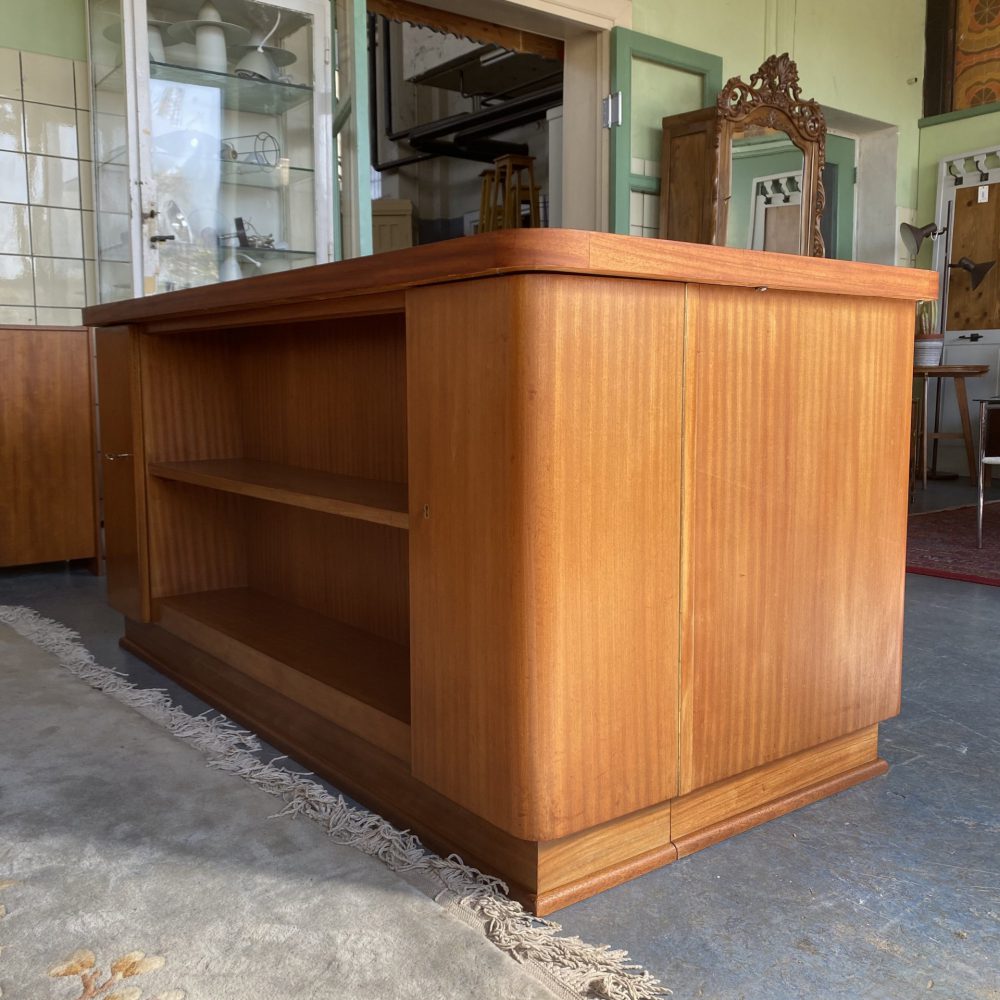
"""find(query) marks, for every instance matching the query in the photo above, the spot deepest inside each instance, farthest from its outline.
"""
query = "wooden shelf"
(351, 677)
(348, 496)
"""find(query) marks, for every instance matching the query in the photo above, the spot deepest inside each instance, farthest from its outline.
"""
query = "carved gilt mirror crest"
(771, 149)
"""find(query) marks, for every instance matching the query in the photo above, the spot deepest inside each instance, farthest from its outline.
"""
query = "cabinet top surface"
(525, 251)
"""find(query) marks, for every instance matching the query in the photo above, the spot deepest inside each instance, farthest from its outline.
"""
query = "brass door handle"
(116, 456)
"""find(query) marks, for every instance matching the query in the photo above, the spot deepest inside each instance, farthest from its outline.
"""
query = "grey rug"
(130, 870)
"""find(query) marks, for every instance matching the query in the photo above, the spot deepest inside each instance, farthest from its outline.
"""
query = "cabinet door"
(122, 468)
(544, 466)
(795, 502)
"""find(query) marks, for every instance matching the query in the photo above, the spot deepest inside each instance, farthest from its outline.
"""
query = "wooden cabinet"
(47, 495)
(689, 177)
(531, 540)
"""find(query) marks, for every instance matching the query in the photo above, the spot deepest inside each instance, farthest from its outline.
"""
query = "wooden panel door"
(47, 498)
(689, 167)
(544, 420)
(795, 502)
(123, 471)
(975, 234)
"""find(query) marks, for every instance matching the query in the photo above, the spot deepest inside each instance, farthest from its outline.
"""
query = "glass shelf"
(255, 175)
(262, 97)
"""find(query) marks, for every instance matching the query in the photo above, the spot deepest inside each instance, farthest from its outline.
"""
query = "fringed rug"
(130, 870)
(943, 543)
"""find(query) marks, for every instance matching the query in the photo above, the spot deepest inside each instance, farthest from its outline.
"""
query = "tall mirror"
(747, 172)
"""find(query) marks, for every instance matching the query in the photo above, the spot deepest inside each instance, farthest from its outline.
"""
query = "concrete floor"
(888, 891)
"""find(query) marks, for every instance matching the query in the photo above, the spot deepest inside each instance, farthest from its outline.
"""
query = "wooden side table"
(959, 373)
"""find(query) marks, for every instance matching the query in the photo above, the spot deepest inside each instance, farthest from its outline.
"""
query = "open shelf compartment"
(355, 679)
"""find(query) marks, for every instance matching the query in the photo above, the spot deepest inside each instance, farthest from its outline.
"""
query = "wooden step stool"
(506, 188)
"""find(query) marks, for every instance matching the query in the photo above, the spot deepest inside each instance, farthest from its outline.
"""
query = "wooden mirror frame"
(773, 99)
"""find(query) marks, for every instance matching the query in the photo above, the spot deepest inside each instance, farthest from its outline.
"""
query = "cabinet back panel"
(197, 539)
(190, 397)
(353, 571)
(329, 396)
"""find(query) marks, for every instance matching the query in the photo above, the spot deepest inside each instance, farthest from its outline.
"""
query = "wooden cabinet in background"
(689, 178)
(536, 541)
(47, 495)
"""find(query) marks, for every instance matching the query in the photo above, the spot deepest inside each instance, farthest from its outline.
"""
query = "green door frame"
(841, 150)
(351, 110)
(627, 45)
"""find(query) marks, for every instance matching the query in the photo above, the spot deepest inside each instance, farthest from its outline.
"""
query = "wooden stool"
(511, 186)
(485, 224)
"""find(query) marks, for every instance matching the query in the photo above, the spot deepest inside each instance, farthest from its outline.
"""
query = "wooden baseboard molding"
(543, 876)
(590, 885)
(742, 822)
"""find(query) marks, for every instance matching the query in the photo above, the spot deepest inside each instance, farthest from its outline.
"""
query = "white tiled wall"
(644, 208)
(46, 225)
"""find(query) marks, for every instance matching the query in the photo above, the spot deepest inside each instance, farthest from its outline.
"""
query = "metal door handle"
(116, 456)
(972, 336)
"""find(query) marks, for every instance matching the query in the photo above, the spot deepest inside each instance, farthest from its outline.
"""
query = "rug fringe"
(590, 972)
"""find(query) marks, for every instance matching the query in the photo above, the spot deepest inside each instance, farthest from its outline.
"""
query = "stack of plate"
(927, 352)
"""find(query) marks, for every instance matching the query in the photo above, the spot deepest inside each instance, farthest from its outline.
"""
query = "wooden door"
(544, 464)
(123, 471)
(47, 500)
(975, 234)
(795, 501)
(689, 167)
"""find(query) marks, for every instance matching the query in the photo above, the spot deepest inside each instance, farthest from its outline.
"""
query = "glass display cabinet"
(213, 145)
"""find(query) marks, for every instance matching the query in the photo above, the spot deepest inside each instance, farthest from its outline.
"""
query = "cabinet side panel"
(796, 452)
(46, 457)
(123, 477)
(545, 441)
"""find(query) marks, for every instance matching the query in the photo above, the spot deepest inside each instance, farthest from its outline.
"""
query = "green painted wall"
(852, 55)
(54, 27)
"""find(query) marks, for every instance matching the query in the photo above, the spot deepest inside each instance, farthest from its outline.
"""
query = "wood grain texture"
(329, 396)
(708, 807)
(511, 252)
(580, 855)
(734, 825)
(585, 886)
(689, 161)
(544, 420)
(353, 571)
(349, 496)
(796, 445)
(47, 444)
(198, 539)
(124, 477)
(975, 233)
(348, 676)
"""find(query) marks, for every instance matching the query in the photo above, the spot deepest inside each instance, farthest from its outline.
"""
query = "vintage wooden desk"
(542, 543)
